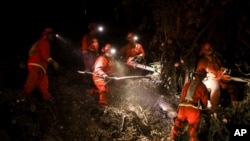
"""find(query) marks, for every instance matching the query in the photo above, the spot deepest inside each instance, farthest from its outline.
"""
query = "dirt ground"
(139, 110)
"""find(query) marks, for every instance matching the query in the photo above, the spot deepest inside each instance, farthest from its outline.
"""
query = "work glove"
(55, 65)
(105, 77)
(138, 58)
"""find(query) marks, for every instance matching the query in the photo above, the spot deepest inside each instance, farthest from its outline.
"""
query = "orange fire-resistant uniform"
(37, 67)
(132, 50)
(194, 96)
(86, 41)
(104, 66)
(213, 66)
(91, 54)
(129, 51)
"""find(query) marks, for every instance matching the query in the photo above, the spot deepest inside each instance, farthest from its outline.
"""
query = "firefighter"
(86, 40)
(194, 97)
(89, 58)
(91, 54)
(215, 73)
(103, 68)
(131, 52)
(39, 59)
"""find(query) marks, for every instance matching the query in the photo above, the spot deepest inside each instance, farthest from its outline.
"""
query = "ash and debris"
(139, 110)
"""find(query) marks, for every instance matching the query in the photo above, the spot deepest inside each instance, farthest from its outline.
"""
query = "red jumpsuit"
(90, 55)
(190, 108)
(216, 78)
(129, 51)
(212, 66)
(103, 66)
(37, 67)
(86, 41)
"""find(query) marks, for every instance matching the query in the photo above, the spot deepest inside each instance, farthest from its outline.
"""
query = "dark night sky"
(24, 20)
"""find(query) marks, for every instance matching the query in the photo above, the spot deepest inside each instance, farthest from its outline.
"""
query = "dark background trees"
(169, 30)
